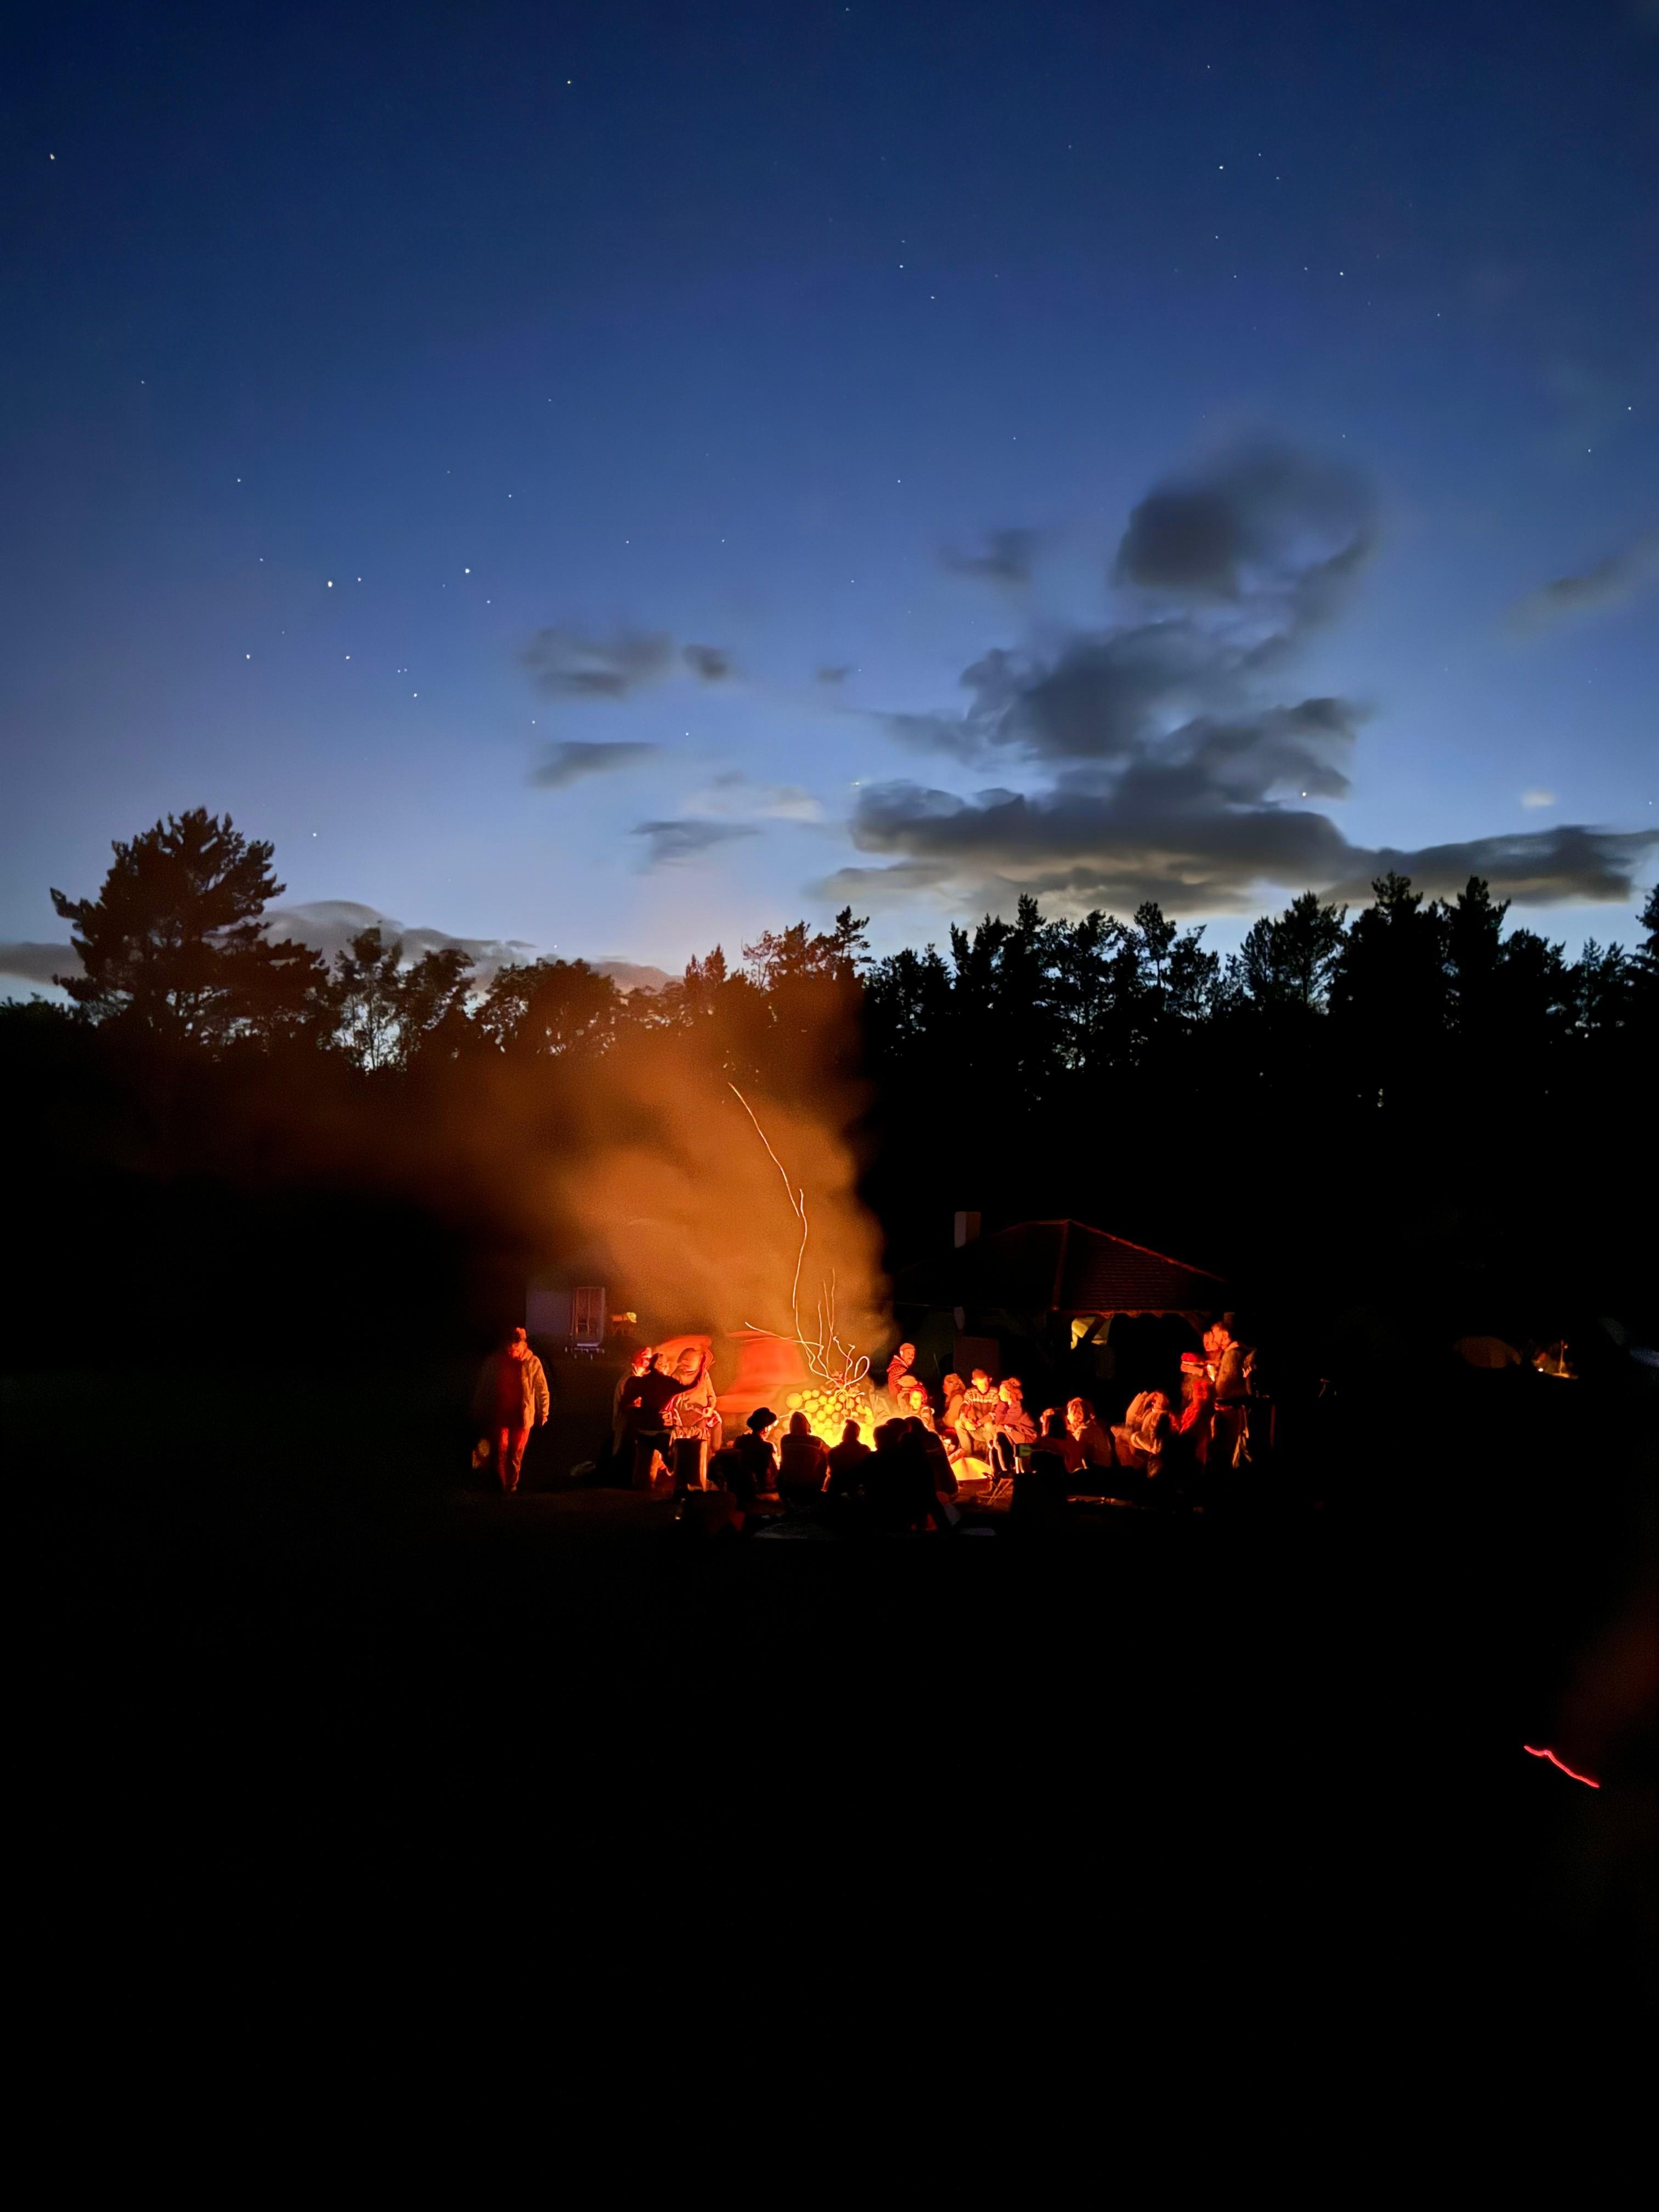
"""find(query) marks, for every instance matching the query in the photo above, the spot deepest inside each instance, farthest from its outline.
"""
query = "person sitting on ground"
(1140, 1437)
(846, 1476)
(1014, 1425)
(803, 1463)
(950, 1390)
(912, 1400)
(1156, 1426)
(1057, 1440)
(755, 1469)
(1088, 1432)
(978, 1411)
(940, 1472)
(510, 1400)
(898, 1483)
(1135, 1413)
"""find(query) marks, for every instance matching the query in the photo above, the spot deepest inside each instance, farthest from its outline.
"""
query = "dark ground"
(1293, 1732)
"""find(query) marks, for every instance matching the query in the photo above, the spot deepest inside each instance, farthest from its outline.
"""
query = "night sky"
(612, 478)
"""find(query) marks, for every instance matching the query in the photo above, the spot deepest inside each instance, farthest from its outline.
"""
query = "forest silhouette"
(1414, 1103)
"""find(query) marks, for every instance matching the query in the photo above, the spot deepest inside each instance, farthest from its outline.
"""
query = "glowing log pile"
(828, 1406)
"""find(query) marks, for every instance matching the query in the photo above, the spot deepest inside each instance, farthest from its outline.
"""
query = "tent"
(1063, 1268)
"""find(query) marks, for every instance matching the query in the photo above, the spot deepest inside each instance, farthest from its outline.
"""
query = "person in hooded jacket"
(510, 1400)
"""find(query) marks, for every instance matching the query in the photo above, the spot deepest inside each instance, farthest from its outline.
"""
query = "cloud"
(569, 665)
(567, 763)
(1538, 799)
(733, 795)
(1538, 867)
(1079, 850)
(1007, 559)
(38, 963)
(328, 925)
(672, 841)
(835, 674)
(1609, 583)
(1176, 757)
(631, 975)
(1264, 522)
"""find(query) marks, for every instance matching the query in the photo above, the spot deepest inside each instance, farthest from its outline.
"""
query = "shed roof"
(1059, 1266)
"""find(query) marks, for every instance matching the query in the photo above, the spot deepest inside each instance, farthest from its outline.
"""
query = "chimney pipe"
(967, 1229)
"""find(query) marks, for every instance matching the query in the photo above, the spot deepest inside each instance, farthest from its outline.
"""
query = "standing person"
(898, 1370)
(1197, 1401)
(511, 1399)
(1232, 1393)
(694, 1421)
(978, 1412)
(803, 1463)
(638, 1365)
(646, 1400)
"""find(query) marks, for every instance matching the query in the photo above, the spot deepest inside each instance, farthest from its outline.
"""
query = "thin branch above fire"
(845, 1367)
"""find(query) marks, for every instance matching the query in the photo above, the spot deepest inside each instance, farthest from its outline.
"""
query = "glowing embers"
(1543, 1751)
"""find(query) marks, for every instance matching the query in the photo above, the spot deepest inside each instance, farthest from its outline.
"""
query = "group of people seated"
(988, 1423)
(667, 1430)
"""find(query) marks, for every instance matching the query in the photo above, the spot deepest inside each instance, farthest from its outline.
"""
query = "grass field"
(257, 1599)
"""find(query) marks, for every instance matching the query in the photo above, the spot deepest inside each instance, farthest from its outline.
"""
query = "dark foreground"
(1293, 1733)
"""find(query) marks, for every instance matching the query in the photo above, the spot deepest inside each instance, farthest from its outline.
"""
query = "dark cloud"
(1195, 854)
(684, 840)
(709, 663)
(1264, 523)
(567, 763)
(1007, 559)
(38, 963)
(1545, 867)
(1173, 771)
(1238, 565)
(835, 674)
(1609, 583)
(569, 665)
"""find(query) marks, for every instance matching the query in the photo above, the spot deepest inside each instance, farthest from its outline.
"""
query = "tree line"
(1411, 1090)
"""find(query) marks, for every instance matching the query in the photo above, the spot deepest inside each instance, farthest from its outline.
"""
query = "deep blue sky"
(391, 396)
